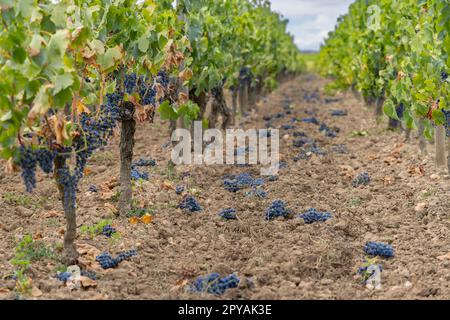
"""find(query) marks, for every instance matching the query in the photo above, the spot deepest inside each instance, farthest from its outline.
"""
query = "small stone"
(420, 207)
(435, 177)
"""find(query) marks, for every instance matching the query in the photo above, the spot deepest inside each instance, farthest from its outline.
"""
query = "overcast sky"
(311, 20)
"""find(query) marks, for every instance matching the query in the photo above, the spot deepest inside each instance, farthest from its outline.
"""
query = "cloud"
(311, 20)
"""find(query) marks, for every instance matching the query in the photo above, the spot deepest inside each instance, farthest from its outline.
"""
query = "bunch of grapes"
(400, 109)
(447, 121)
(242, 181)
(444, 75)
(361, 179)
(312, 215)
(338, 113)
(279, 115)
(137, 175)
(287, 127)
(179, 189)
(257, 192)
(228, 214)
(276, 209)
(214, 284)
(93, 188)
(191, 204)
(305, 141)
(312, 120)
(107, 261)
(329, 132)
(126, 255)
(108, 231)
(299, 134)
(379, 249)
(64, 276)
(163, 79)
(90, 274)
(28, 162)
(144, 163)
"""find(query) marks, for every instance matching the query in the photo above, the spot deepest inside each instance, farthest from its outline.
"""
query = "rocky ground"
(406, 205)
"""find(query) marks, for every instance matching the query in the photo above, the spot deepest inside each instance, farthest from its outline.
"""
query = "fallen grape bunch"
(361, 179)
(214, 284)
(312, 215)
(190, 204)
(242, 181)
(379, 249)
(228, 214)
(107, 261)
(276, 209)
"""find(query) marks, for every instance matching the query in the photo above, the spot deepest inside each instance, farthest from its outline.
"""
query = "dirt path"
(282, 259)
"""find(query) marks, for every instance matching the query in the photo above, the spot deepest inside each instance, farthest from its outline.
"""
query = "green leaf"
(58, 44)
(167, 111)
(110, 58)
(389, 110)
(143, 43)
(62, 81)
(438, 117)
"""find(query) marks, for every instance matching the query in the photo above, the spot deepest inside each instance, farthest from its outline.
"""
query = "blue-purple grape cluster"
(303, 141)
(312, 120)
(108, 231)
(299, 134)
(311, 96)
(361, 179)
(228, 214)
(136, 175)
(257, 192)
(444, 75)
(90, 274)
(447, 121)
(144, 163)
(329, 132)
(179, 189)
(107, 261)
(28, 162)
(276, 209)
(190, 204)
(400, 109)
(338, 113)
(331, 100)
(312, 215)
(242, 181)
(93, 188)
(214, 284)
(378, 249)
(63, 276)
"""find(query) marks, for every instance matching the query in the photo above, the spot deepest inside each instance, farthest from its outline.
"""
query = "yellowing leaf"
(185, 75)
(81, 107)
(146, 218)
(167, 185)
(134, 220)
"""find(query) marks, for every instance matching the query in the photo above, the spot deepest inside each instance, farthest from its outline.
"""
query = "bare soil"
(406, 205)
